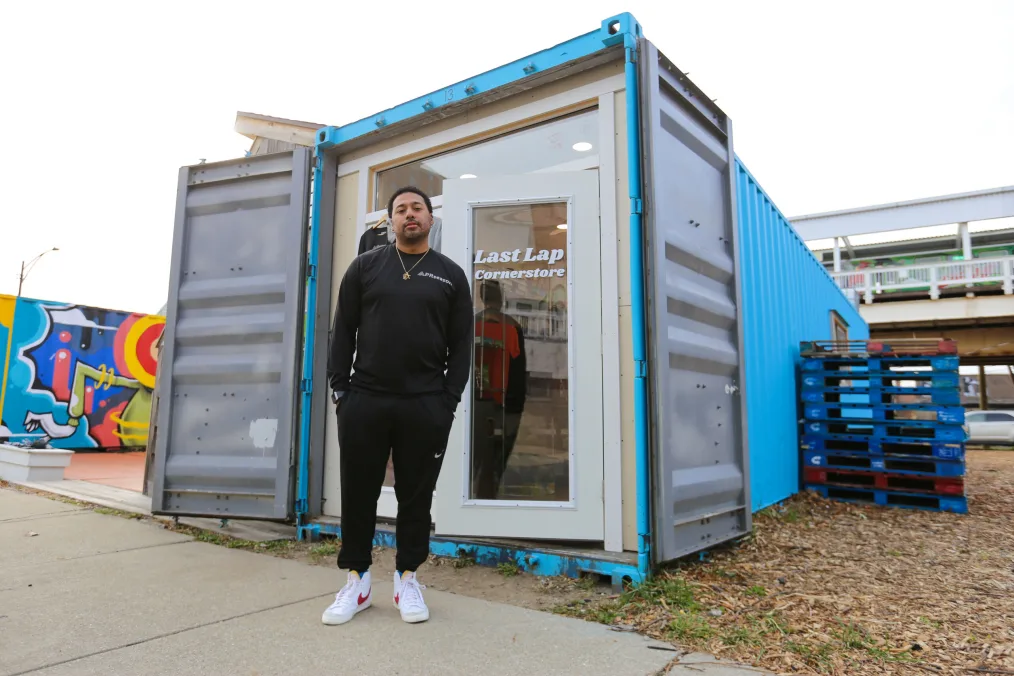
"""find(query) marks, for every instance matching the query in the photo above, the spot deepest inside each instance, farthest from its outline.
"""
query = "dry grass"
(834, 588)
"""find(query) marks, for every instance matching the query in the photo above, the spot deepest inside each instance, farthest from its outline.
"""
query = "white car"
(990, 427)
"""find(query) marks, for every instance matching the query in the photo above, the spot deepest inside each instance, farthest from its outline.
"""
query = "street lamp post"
(27, 268)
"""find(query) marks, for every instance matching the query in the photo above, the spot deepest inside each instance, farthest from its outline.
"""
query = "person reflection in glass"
(499, 391)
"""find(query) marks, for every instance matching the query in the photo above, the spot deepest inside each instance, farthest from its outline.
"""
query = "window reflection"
(520, 388)
(565, 144)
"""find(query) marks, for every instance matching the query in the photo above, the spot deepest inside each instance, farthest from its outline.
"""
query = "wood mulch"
(834, 588)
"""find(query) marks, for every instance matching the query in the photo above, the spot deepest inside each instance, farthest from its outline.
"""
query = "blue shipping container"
(694, 310)
(788, 297)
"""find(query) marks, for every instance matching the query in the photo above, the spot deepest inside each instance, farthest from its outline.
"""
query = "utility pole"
(30, 265)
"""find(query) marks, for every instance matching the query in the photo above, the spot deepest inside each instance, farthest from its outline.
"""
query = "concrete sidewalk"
(85, 593)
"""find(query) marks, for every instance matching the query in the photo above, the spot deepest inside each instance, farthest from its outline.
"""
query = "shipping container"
(787, 294)
(592, 193)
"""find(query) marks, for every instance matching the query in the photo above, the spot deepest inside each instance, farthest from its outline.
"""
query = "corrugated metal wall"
(233, 339)
(695, 353)
(788, 297)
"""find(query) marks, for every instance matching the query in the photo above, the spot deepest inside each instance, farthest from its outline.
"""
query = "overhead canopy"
(982, 205)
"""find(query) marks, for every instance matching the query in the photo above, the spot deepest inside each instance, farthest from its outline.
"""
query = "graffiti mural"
(7, 305)
(79, 377)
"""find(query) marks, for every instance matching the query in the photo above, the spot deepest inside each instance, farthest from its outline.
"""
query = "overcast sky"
(834, 105)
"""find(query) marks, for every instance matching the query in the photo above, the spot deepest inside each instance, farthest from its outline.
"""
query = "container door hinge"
(636, 205)
(318, 162)
(311, 271)
(640, 368)
(301, 507)
(306, 385)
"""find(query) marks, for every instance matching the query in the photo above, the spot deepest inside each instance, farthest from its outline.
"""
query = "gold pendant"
(406, 276)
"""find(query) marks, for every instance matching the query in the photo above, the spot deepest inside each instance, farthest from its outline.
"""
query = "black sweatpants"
(412, 429)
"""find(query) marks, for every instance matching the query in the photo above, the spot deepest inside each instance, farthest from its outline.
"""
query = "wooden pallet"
(868, 348)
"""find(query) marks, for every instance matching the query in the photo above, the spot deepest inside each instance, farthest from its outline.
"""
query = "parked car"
(990, 427)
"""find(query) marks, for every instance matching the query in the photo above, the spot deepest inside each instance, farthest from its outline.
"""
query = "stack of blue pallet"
(883, 423)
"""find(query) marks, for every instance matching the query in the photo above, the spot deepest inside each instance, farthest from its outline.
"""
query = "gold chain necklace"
(406, 275)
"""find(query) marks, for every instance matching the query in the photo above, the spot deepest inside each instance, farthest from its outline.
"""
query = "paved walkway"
(121, 470)
(84, 593)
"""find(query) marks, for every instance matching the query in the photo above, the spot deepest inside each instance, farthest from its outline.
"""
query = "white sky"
(834, 105)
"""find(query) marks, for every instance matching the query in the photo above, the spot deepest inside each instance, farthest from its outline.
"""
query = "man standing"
(405, 312)
(499, 390)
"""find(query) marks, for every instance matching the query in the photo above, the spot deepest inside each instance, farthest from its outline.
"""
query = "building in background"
(76, 377)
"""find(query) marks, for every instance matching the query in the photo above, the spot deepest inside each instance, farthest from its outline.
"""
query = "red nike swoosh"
(396, 597)
(362, 599)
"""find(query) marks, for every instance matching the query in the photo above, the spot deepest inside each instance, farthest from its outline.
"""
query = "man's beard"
(414, 235)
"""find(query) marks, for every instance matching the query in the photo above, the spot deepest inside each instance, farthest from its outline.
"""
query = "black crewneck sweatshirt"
(409, 337)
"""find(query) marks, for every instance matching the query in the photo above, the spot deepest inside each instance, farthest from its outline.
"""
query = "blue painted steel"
(934, 379)
(892, 498)
(879, 363)
(638, 310)
(613, 31)
(953, 415)
(884, 463)
(928, 431)
(788, 298)
(529, 559)
(309, 326)
(948, 450)
(865, 395)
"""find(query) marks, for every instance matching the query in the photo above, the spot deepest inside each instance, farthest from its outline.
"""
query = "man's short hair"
(491, 293)
(408, 189)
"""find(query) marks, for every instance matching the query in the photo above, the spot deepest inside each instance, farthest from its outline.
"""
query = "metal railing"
(931, 278)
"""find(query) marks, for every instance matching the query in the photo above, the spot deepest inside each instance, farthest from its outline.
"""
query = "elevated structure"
(959, 286)
(981, 205)
(916, 250)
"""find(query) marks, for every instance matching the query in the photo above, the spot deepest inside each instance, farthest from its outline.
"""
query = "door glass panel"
(520, 388)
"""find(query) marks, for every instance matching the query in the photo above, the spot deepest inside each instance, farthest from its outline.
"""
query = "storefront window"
(565, 144)
(520, 378)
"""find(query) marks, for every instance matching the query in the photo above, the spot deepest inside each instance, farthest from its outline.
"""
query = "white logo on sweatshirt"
(439, 279)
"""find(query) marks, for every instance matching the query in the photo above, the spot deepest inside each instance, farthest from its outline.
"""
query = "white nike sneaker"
(356, 595)
(408, 598)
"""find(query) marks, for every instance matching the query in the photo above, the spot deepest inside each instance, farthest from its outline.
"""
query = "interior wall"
(628, 446)
(345, 247)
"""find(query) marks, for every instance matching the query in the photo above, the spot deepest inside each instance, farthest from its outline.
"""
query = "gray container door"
(227, 419)
(700, 469)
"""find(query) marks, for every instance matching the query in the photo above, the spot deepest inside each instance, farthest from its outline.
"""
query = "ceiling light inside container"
(582, 146)
(562, 226)
(468, 176)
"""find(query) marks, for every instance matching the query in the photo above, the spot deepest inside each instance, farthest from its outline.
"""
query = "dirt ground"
(459, 576)
(817, 587)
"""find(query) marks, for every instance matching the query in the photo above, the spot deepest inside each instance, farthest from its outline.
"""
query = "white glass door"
(525, 453)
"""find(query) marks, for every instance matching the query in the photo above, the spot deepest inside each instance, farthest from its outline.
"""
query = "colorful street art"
(76, 377)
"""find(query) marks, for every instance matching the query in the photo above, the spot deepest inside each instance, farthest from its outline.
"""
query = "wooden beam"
(278, 130)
